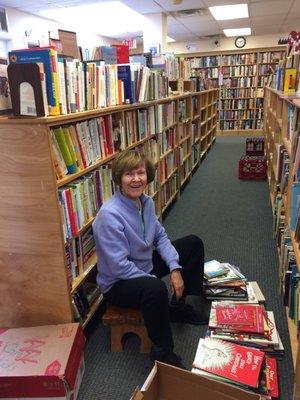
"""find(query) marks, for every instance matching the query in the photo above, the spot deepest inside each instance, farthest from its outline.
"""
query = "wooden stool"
(125, 320)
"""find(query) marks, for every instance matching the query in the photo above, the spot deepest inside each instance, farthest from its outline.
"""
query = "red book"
(228, 360)
(258, 326)
(109, 134)
(72, 216)
(272, 377)
(240, 314)
(122, 53)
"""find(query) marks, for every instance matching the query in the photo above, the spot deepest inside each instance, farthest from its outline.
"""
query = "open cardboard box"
(170, 383)
(43, 362)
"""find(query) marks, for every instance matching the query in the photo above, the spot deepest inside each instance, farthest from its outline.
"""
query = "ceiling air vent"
(193, 12)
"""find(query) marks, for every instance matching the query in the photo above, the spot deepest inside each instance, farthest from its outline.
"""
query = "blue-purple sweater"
(124, 245)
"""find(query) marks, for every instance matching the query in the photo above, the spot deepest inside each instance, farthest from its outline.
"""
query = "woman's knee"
(156, 291)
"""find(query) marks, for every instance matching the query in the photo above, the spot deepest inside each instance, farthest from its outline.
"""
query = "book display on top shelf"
(65, 164)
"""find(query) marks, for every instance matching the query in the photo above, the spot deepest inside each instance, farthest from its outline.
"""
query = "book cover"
(229, 360)
(38, 55)
(122, 53)
(258, 326)
(108, 54)
(295, 193)
(272, 377)
(124, 74)
(289, 86)
(214, 268)
(236, 314)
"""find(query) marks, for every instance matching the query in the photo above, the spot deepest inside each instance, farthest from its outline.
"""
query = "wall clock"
(240, 42)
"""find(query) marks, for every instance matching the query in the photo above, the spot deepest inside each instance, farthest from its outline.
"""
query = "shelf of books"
(56, 173)
(240, 77)
(282, 112)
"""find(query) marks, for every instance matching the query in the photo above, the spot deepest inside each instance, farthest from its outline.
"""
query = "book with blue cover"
(124, 74)
(108, 54)
(37, 56)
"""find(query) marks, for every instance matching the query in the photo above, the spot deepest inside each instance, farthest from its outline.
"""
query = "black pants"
(150, 295)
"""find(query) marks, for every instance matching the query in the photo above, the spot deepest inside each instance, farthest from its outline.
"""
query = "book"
(108, 54)
(234, 362)
(40, 55)
(124, 74)
(257, 325)
(122, 53)
(214, 268)
(5, 99)
(235, 314)
(295, 194)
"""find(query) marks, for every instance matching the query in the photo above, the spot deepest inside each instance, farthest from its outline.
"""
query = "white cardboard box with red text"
(41, 362)
(170, 383)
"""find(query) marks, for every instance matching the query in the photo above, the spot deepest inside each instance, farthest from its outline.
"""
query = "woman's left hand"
(177, 284)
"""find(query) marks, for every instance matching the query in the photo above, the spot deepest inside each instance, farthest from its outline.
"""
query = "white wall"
(208, 45)
(20, 22)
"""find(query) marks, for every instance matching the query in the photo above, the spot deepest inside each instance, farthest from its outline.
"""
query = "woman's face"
(133, 182)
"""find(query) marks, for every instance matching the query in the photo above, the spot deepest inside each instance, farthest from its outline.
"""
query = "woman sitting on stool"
(134, 251)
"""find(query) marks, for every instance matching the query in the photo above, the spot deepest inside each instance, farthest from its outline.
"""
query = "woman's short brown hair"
(128, 160)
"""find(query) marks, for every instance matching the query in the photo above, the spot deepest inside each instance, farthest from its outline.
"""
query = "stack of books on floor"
(242, 339)
(223, 281)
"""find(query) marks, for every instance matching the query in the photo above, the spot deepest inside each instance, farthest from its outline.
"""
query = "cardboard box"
(170, 383)
(41, 362)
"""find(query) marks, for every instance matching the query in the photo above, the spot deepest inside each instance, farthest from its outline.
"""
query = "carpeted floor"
(234, 220)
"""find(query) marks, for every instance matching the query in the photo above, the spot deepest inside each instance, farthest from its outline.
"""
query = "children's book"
(234, 362)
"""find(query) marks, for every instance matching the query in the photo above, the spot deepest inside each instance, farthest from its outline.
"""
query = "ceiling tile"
(143, 6)
(185, 5)
(269, 7)
(272, 20)
(211, 3)
(235, 23)
(265, 30)
(178, 29)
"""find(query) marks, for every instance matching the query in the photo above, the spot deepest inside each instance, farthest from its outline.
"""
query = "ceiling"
(265, 16)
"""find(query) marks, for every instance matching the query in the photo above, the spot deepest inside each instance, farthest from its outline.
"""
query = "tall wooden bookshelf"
(240, 77)
(280, 146)
(36, 286)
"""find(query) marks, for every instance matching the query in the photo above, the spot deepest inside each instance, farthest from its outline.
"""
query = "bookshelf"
(281, 115)
(240, 77)
(40, 277)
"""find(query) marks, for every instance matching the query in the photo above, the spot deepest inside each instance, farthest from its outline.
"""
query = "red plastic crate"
(255, 146)
(253, 167)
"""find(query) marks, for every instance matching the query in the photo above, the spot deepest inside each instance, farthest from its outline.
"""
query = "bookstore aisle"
(234, 219)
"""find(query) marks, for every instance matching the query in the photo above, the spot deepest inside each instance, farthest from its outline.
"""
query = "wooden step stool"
(124, 320)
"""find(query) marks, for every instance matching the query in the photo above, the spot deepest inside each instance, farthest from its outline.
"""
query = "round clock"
(240, 42)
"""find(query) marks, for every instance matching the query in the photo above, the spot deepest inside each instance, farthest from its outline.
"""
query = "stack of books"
(239, 365)
(247, 324)
(223, 281)
(242, 338)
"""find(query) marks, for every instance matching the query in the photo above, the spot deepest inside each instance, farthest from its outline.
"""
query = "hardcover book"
(228, 360)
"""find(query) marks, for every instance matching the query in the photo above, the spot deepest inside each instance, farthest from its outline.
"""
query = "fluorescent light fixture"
(106, 18)
(170, 40)
(237, 32)
(234, 11)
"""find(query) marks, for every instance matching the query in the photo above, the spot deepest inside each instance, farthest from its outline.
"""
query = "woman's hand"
(176, 283)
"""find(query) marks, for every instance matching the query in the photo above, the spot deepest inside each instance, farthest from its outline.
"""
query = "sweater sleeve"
(165, 248)
(114, 247)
